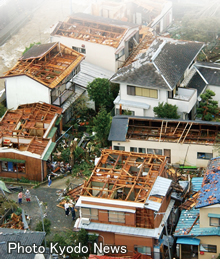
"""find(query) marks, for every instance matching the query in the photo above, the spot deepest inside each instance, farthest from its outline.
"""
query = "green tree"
(102, 124)
(2, 110)
(207, 106)
(30, 46)
(166, 111)
(100, 92)
(47, 224)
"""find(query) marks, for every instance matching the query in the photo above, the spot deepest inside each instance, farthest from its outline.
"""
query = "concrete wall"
(204, 219)
(98, 54)
(24, 90)
(209, 240)
(179, 152)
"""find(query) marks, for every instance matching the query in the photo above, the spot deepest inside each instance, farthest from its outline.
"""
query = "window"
(143, 250)
(133, 149)
(117, 217)
(120, 54)
(131, 90)
(214, 221)
(142, 150)
(125, 112)
(205, 156)
(78, 49)
(89, 213)
(146, 92)
(13, 167)
(154, 151)
(121, 148)
(208, 248)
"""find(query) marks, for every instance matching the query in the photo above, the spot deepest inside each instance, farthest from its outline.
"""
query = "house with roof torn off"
(44, 73)
(154, 76)
(27, 139)
(198, 229)
(105, 42)
(189, 143)
(127, 201)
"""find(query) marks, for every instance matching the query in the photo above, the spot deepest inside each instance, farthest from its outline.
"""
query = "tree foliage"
(207, 106)
(2, 110)
(47, 224)
(102, 124)
(166, 111)
(102, 92)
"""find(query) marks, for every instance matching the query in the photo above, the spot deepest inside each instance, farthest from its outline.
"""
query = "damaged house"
(154, 76)
(198, 229)
(27, 139)
(127, 201)
(44, 73)
(105, 42)
(190, 143)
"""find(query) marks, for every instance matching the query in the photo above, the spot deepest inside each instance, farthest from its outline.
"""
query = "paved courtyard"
(59, 222)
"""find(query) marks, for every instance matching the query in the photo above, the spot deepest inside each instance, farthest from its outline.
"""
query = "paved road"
(48, 195)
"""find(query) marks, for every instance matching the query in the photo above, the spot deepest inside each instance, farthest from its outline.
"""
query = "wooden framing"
(124, 175)
(173, 131)
(79, 28)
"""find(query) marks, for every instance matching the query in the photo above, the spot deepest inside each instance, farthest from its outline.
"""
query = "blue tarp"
(188, 241)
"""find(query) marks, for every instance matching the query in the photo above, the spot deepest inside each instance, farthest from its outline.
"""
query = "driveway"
(48, 195)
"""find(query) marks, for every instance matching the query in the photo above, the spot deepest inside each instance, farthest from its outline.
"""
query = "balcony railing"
(63, 97)
(185, 100)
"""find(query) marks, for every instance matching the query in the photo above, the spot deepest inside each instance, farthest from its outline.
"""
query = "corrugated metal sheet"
(88, 72)
(188, 241)
(160, 187)
(196, 183)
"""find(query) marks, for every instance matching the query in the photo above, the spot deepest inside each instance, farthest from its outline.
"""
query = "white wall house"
(104, 42)
(183, 142)
(203, 76)
(155, 76)
(44, 73)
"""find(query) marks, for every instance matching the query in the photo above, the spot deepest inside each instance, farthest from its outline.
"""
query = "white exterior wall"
(179, 152)
(152, 102)
(24, 90)
(98, 54)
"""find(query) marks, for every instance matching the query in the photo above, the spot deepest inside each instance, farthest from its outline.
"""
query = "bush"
(47, 224)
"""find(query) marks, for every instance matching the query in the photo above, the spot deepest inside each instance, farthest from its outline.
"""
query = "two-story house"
(127, 201)
(198, 229)
(190, 143)
(27, 139)
(155, 76)
(105, 42)
(202, 76)
(44, 73)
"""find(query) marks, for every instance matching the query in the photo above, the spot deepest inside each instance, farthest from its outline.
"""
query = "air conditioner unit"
(85, 221)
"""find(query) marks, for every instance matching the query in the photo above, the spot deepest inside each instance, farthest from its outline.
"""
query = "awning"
(52, 132)
(49, 151)
(12, 160)
(214, 215)
(188, 241)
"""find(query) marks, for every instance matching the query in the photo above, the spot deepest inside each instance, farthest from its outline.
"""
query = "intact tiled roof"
(26, 238)
(48, 64)
(210, 72)
(161, 66)
(197, 82)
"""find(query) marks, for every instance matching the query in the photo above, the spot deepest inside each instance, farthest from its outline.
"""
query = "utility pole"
(42, 218)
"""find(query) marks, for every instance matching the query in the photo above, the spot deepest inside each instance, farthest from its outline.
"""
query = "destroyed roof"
(161, 66)
(210, 190)
(30, 122)
(163, 130)
(88, 72)
(96, 29)
(48, 64)
(25, 237)
(136, 172)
